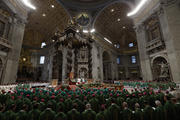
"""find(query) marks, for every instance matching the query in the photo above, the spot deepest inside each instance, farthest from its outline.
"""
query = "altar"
(73, 57)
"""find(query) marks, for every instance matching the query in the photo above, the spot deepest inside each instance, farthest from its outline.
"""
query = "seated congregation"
(88, 104)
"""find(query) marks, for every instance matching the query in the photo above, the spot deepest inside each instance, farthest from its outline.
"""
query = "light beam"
(108, 40)
(136, 10)
(93, 30)
(85, 31)
(28, 4)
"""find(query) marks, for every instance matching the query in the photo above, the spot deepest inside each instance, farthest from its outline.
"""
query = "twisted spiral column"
(75, 63)
(69, 58)
(90, 61)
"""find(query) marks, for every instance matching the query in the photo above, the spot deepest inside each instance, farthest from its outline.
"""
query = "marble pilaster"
(16, 38)
(169, 17)
(144, 58)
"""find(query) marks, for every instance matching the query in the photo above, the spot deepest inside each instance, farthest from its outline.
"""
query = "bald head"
(158, 103)
(88, 106)
(137, 105)
(125, 105)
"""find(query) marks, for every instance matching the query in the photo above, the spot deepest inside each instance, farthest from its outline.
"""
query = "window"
(42, 59)
(2, 27)
(133, 59)
(118, 60)
(43, 44)
(131, 44)
(116, 45)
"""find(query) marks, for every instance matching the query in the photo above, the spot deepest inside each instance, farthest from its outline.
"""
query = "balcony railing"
(154, 44)
(5, 43)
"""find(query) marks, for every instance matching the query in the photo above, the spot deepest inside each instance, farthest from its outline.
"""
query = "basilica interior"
(105, 43)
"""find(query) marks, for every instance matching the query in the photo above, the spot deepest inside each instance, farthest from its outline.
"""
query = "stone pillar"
(107, 75)
(75, 63)
(69, 58)
(127, 71)
(111, 70)
(90, 61)
(114, 66)
(169, 17)
(115, 70)
(101, 64)
(105, 69)
(144, 58)
(16, 38)
(64, 66)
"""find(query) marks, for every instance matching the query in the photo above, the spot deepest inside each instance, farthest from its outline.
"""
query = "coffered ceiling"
(114, 24)
(53, 15)
(44, 21)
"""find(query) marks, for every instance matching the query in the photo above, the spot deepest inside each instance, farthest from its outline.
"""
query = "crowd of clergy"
(88, 104)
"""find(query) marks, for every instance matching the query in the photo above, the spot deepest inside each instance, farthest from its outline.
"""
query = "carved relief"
(57, 66)
(153, 28)
(4, 13)
(155, 40)
(2, 28)
(83, 55)
(160, 11)
(168, 2)
(78, 57)
(1, 69)
(161, 69)
(139, 28)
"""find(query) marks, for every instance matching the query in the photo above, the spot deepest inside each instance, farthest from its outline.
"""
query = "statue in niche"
(83, 73)
(164, 70)
(83, 54)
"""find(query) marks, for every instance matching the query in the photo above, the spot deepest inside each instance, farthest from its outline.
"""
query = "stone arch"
(160, 68)
(65, 9)
(163, 56)
(107, 52)
(19, 2)
(57, 66)
(116, 26)
(1, 69)
(107, 67)
(106, 56)
(129, 4)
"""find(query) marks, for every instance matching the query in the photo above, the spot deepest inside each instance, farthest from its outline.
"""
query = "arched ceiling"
(114, 24)
(39, 28)
(86, 1)
(84, 4)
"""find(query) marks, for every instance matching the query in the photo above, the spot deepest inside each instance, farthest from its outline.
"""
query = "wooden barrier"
(54, 82)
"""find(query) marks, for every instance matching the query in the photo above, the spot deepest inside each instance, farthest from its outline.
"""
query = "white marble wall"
(170, 22)
(13, 56)
(146, 72)
(97, 64)
(169, 18)
(16, 20)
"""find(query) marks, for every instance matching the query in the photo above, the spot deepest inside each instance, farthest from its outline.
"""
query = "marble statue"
(164, 70)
